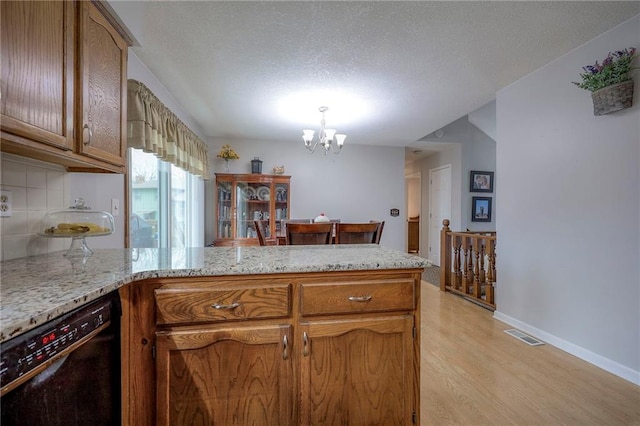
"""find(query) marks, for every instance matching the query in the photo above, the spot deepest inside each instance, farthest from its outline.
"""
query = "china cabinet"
(243, 198)
(64, 70)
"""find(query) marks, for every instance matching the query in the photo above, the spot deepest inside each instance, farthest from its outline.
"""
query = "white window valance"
(154, 128)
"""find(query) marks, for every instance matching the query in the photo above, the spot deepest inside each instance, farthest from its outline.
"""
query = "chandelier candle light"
(325, 137)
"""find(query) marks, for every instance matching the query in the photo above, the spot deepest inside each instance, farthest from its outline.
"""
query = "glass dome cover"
(77, 222)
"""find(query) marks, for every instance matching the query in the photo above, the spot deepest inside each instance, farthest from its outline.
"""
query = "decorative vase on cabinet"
(243, 198)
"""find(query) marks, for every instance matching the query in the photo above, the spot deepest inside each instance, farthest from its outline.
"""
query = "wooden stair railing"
(468, 265)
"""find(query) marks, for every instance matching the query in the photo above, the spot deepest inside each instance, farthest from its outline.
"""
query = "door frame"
(418, 177)
(436, 238)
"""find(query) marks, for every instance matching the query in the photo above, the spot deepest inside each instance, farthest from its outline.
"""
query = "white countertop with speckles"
(36, 289)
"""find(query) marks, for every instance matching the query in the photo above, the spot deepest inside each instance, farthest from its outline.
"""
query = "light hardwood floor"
(473, 373)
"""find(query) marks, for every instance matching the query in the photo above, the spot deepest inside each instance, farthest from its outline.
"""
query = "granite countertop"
(36, 289)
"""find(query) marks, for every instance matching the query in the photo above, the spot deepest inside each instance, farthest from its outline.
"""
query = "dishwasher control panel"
(25, 353)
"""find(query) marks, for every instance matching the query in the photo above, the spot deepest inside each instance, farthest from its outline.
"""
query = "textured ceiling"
(390, 72)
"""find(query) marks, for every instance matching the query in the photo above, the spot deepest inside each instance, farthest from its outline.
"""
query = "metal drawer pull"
(221, 306)
(285, 343)
(305, 344)
(360, 298)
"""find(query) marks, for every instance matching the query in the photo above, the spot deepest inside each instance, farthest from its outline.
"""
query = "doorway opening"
(439, 207)
(413, 184)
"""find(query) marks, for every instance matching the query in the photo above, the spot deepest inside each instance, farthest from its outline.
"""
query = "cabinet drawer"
(194, 305)
(355, 297)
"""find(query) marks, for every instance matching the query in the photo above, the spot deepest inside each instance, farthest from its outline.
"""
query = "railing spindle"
(445, 256)
(468, 264)
(457, 278)
(476, 268)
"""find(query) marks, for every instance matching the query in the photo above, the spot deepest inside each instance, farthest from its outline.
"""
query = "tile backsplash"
(35, 188)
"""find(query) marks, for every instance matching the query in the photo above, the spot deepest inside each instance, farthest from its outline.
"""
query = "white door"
(439, 208)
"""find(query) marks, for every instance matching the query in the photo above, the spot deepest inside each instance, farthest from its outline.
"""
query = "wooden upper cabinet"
(37, 71)
(102, 84)
(64, 71)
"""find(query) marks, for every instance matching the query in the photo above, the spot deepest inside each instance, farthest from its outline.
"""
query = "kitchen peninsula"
(284, 334)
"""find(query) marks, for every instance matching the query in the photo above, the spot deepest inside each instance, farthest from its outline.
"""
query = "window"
(166, 204)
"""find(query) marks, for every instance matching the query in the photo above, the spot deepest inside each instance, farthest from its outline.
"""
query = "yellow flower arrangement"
(228, 153)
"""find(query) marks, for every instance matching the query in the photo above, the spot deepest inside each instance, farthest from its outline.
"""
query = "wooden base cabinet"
(357, 372)
(338, 348)
(225, 376)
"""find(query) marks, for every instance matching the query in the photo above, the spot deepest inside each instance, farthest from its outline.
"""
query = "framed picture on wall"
(481, 181)
(481, 209)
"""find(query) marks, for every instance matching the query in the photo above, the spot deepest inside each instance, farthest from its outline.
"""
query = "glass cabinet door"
(242, 199)
(253, 203)
(225, 210)
(281, 207)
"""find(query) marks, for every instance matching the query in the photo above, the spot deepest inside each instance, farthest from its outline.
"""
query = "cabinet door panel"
(357, 372)
(231, 376)
(37, 41)
(103, 96)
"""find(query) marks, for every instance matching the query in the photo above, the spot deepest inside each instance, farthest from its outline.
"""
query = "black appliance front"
(80, 379)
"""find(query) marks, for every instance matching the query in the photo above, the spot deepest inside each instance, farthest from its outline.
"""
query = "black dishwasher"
(65, 372)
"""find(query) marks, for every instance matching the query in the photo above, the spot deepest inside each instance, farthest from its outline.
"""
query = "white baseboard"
(584, 354)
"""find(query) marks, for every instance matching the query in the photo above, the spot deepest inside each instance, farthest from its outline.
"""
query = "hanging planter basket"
(613, 98)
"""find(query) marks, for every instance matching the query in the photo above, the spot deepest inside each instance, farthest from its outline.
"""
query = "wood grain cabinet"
(298, 349)
(357, 370)
(243, 198)
(102, 84)
(37, 42)
(241, 375)
(63, 98)
(228, 368)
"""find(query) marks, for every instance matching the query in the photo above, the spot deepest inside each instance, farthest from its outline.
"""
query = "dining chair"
(308, 233)
(261, 230)
(378, 235)
(299, 221)
(356, 233)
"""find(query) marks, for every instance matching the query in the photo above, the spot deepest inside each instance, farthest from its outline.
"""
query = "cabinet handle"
(285, 351)
(360, 298)
(221, 306)
(88, 127)
(305, 344)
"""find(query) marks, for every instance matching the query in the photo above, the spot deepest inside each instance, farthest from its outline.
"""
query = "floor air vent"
(524, 337)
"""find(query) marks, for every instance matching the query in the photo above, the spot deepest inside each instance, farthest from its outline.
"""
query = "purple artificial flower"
(615, 68)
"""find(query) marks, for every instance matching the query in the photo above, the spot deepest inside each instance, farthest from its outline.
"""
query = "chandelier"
(325, 137)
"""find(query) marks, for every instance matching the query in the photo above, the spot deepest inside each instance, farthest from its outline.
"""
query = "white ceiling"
(391, 72)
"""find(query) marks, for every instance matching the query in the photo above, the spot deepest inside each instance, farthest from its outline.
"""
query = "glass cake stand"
(77, 222)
